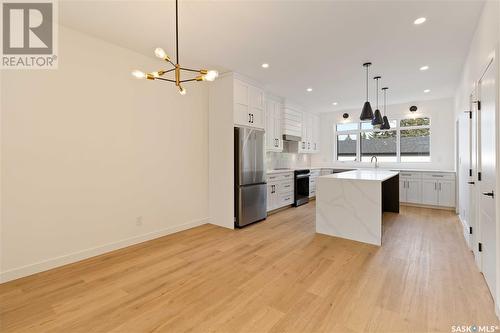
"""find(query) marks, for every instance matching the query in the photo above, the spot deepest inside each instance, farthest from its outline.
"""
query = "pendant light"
(367, 112)
(377, 120)
(385, 125)
(203, 74)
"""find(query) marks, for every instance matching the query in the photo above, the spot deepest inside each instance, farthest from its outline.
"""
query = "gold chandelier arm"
(193, 70)
(170, 62)
(189, 80)
(163, 79)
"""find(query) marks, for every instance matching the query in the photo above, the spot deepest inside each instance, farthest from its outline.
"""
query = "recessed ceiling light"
(265, 65)
(420, 20)
(424, 68)
(427, 91)
(335, 103)
(309, 89)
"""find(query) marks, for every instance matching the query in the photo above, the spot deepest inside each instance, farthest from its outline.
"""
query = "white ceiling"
(307, 43)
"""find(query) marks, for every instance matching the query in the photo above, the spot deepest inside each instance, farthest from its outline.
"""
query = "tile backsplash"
(287, 160)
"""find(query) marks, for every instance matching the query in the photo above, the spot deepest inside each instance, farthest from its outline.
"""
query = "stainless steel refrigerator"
(250, 191)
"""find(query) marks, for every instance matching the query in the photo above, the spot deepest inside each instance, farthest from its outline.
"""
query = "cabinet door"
(271, 197)
(446, 197)
(429, 192)
(315, 134)
(270, 136)
(256, 107)
(241, 111)
(277, 126)
(402, 190)
(413, 191)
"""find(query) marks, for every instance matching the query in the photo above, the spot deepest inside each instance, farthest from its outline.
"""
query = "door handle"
(249, 117)
(470, 183)
(489, 194)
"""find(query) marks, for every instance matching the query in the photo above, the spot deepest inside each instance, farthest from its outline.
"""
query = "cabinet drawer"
(285, 199)
(438, 175)
(285, 187)
(276, 177)
(410, 175)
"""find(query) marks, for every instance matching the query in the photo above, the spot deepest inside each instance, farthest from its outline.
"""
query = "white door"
(429, 192)
(464, 182)
(472, 179)
(413, 191)
(487, 184)
(446, 193)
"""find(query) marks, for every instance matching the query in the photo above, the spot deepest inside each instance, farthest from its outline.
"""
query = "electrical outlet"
(138, 221)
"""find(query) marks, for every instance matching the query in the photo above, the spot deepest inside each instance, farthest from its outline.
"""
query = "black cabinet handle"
(489, 194)
(249, 117)
(470, 183)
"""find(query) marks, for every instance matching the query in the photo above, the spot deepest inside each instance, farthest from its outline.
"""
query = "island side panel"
(390, 195)
(350, 209)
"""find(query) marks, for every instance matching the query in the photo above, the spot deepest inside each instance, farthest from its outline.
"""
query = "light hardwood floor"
(275, 276)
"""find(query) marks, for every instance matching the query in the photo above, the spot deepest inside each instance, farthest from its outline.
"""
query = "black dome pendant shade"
(366, 112)
(377, 120)
(385, 125)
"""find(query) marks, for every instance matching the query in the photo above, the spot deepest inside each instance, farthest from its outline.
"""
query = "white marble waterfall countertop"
(364, 174)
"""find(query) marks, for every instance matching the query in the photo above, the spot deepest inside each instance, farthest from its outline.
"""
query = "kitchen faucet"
(376, 161)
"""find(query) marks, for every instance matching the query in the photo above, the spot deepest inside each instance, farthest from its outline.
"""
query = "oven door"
(301, 189)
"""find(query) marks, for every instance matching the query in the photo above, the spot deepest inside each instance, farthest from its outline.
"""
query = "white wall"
(86, 149)
(483, 47)
(442, 134)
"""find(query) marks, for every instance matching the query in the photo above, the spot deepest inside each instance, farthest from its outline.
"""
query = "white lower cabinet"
(446, 193)
(312, 182)
(429, 192)
(438, 192)
(279, 190)
(426, 188)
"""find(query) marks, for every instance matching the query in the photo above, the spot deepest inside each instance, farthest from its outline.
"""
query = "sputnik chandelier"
(203, 74)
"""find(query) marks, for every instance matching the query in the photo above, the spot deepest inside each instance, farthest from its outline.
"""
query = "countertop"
(384, 168)
(363, 174)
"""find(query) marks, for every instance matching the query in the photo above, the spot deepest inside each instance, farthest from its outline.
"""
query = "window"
(347, 127)
(408, 140)
(382, 144)
(346, 147)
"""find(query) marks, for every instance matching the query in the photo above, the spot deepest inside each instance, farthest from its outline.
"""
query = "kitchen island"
(351, 204)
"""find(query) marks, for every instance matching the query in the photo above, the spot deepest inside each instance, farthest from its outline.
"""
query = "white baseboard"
(41, 266)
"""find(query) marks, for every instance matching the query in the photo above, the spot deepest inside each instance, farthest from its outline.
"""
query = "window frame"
(398, 130)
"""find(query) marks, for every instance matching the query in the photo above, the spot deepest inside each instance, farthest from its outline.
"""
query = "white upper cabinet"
(274, 133)
(316, 133)
(248, 105)
(310, 134)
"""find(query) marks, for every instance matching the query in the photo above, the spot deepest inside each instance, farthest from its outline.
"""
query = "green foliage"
(415, 122)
